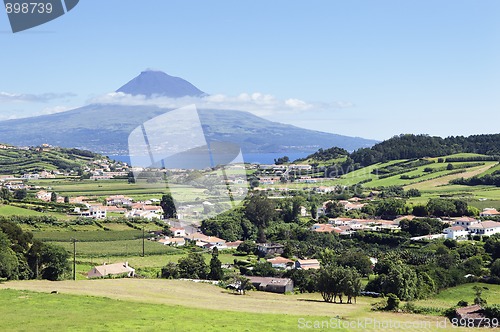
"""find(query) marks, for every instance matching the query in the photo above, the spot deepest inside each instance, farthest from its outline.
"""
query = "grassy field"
(31, 311)
(139, 304)
(140, 190)
(449, 297)
(9, 210)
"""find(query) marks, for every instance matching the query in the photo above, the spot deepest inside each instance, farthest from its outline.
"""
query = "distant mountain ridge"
(104, 128)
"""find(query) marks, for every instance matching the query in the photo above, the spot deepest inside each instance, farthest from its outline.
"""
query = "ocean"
(253, 158)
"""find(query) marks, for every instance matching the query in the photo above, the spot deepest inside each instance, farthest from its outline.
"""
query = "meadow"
(178, 305)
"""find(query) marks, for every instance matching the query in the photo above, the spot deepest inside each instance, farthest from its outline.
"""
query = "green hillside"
(35, 159)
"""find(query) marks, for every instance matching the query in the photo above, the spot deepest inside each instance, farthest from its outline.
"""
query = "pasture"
(180, 305)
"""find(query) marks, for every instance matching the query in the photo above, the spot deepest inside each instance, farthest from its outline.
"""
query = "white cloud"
(56, 109)
(257, 103)
(8, 97)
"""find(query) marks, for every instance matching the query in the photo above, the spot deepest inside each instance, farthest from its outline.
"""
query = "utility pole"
(74, 259)
(142, 240)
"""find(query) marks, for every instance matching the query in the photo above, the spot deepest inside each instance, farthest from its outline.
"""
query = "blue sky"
(362, 68)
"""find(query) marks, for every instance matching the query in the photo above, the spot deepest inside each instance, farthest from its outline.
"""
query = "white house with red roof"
(487, 228)
(456, 232)
(281, 262)
(490, 212)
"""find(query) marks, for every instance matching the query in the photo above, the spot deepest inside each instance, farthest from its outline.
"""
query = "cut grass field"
(178, 305)
(449, 297)
(32, 311)
(432, 183)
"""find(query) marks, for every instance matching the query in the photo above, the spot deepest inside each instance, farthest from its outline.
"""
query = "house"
(353, 206)
(340, 221)
(324, 189)
(142, 214)
(196, 237)
(265, 249)
(115, 209)
(233, 245)
(273, 285)
(303, 211)
(428, 237)
(178, 231)
(215, 241)
(323, 228)
(473, 315)
(94, 212)
(116, 269)
(44, 195)
(307, 264)
(281, 262)
(118, 200)
(456, 232)
(490, 212)
(485, 228)
(173, 241)
(465, 221)
(203, 240)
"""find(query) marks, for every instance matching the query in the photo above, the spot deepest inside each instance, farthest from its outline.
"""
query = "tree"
(399, 279)
(473, 265)
(170, 271)
(495, 268)
(420, 210)
(193, 266)
(66, 200)
(334, 209)
(8, 259)
(439, 207)
(325, 284)
(357, 260)
(8, 264)
(492, 246)
(351, 285)
(392, 302)
(263, 269)
(391, 207)
(304, 280)
(20, 194)
(5, 194)
(53, 197)
(290, 209)
(478, 296)
(247, 247)
(168, 205)
(241, 284)
(216, 272)
(53, 263)
(281, 160)
(332, 283)
(314, 211)
(260, 210)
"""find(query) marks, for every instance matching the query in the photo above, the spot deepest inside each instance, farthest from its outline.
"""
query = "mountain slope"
(152, 82)
(105, 129)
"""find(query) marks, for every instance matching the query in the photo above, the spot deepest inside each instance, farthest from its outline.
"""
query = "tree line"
(23, 257)
(408, 146)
